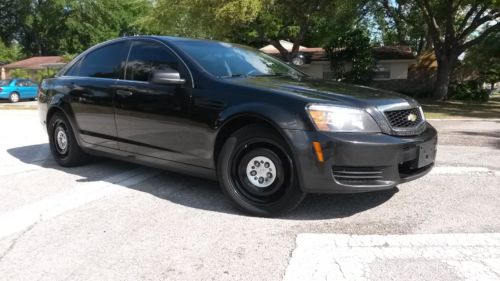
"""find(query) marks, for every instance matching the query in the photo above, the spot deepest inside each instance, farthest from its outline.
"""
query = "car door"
(152, 119)
(21, 86)
(31, 89)
(92, 94)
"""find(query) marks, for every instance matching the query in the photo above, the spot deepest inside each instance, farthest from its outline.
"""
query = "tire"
(14, 97)
(63, 144)
(256, 172)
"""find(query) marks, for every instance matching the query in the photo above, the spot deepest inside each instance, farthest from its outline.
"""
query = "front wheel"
(14, 97)
(256, 171)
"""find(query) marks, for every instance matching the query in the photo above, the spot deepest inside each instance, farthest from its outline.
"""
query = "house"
(392, 63)
(33, 65)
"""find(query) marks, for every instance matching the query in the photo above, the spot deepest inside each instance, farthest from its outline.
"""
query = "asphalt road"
(117, 221)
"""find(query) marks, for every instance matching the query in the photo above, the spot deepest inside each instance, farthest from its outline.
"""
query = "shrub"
(469, 90)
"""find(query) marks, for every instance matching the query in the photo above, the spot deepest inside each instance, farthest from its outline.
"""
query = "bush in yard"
(469, 90)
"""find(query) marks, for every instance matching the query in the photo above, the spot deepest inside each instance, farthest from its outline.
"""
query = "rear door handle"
(124, 93)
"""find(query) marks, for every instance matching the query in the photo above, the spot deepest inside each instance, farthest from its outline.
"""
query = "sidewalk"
(30, 105)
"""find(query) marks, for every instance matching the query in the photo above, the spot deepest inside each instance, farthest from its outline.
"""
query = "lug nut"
(253, 173)
(266, 165)
(261, 180)
(269, 175)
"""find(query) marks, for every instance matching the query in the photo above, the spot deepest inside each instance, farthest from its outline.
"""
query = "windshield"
(5, 82)
(230, 60)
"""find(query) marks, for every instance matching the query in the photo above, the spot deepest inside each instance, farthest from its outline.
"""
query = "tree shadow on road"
(203, 194)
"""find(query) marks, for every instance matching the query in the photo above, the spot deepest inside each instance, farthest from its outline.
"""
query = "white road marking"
(49, 207)
(363, 257)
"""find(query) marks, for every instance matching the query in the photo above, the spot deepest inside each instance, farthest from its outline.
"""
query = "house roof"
(270, 49)
(393, 53)
(35, 62)
(379, 53)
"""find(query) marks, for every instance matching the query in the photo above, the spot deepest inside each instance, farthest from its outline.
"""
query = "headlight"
(330, 118)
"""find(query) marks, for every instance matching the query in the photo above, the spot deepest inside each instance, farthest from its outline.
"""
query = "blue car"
(17, 89)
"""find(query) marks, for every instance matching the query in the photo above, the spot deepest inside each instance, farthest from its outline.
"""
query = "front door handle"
(124, 93)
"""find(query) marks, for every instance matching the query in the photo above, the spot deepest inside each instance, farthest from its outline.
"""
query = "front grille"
(401, 118)
(357, 175)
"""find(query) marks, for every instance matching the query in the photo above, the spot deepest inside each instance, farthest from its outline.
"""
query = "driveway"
(117, 221)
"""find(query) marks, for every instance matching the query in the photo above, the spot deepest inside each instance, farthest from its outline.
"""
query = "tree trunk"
(445, 67)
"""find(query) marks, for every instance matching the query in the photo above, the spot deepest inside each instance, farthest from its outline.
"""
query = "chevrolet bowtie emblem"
(412, 117)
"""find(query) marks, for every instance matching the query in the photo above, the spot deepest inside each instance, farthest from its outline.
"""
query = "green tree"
(482, 62)
(12, 12)
(453, 27)
(245, 21)
(52, 27)
(401, 23)
(353, 46)
(9, 54)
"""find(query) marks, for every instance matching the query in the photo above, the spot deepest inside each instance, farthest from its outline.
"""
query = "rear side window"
(105, 62)
(73, 70)
(146, 57)
(5, 82)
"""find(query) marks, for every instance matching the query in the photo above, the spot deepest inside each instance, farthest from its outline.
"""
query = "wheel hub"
(261, 171)
(62, 140)
(15, 97)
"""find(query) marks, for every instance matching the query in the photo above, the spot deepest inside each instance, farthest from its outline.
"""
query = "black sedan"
(267, 132)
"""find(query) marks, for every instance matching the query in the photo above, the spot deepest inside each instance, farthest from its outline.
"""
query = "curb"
(462, 119)
(18, 107)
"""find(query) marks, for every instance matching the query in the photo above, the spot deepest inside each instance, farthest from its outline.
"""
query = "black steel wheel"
(63, 144)
(256, 171)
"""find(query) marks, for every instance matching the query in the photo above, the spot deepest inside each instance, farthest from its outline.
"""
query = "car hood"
(318, 90)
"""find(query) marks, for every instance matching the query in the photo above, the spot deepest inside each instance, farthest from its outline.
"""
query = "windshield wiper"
(274, 75)
(234, 75)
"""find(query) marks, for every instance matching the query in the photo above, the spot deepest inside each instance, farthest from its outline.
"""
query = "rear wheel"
(63, 144)
(14, 97)
(257, 173)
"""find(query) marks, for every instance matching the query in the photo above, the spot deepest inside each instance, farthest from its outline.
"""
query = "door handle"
(124, 93)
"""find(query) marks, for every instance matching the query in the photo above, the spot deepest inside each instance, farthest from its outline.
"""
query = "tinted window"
(73, 70)
(105, 62)
(147, 57)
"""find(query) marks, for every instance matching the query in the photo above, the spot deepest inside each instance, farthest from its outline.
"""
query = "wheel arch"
(240, 120)
(57, 104)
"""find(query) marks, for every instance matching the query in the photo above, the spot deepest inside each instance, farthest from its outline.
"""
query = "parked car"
(18, 89)
(269, 133)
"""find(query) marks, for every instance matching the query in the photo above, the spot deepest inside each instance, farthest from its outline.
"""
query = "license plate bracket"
(426, 153)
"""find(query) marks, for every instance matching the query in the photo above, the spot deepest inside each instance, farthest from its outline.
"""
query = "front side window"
(147, 57)
(21, 83)
(105, 62)
(230, 60)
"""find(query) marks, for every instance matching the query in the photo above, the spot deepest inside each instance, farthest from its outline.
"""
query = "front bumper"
(355, 162)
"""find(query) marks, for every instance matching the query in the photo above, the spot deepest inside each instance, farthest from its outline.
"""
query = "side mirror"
(167, 76)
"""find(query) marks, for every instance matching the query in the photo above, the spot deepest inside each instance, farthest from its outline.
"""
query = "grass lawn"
(462, 109)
